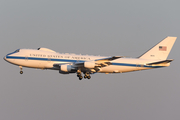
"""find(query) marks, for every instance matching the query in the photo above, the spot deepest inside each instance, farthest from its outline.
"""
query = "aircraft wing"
(105, 61)
(160, 62)
(108, 59)
(96, 64)
(100, 62)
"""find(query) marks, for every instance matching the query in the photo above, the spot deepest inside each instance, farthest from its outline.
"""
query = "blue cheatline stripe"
(125, 64)
(43, 59)
(135, 65)
(66, 60)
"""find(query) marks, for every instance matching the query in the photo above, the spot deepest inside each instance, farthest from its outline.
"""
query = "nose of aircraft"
(5, 58)
(8, 57)
(8, 60)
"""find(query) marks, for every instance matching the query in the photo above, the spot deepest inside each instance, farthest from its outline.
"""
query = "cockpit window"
(17, 50)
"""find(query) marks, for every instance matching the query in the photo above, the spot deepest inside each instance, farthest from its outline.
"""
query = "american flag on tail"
(162, 48)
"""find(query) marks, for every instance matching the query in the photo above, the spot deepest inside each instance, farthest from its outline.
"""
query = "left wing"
(98, 62)
(109, 58)
(92, 66)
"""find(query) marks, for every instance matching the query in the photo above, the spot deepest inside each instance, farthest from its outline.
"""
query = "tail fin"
(161, 50)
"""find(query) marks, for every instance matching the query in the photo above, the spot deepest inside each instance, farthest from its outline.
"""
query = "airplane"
(44, 58)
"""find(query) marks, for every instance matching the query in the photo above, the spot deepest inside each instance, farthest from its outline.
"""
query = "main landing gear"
(79, 74)
(21, 72)
(86, 75)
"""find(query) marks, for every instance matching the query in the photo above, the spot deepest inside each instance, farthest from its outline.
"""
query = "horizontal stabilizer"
(160, 62)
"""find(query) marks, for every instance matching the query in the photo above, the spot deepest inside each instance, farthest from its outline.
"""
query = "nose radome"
(4, 57)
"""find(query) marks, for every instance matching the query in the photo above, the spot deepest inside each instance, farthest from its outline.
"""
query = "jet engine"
(66, 68)
(89, 64)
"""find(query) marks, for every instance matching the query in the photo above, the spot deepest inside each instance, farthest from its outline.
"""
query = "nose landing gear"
(21, 72)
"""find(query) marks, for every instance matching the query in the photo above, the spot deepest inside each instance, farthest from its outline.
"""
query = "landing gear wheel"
(80, 77)
(78, 74)
(85, 76)
(21, 72)
(89, 77)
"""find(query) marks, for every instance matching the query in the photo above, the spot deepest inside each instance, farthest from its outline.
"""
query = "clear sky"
(95, 27)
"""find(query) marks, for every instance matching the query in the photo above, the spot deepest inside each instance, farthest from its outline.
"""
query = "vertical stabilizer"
(161, 50)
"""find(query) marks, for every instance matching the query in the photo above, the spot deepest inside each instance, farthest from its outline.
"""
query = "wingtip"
(172, 37)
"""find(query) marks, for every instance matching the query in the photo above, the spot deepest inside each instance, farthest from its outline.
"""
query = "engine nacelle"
(65, 68)
(89, 64)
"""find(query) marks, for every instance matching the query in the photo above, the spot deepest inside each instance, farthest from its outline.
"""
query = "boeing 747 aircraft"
(44, 58)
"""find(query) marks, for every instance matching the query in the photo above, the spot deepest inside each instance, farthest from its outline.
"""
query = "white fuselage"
(46, 60)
